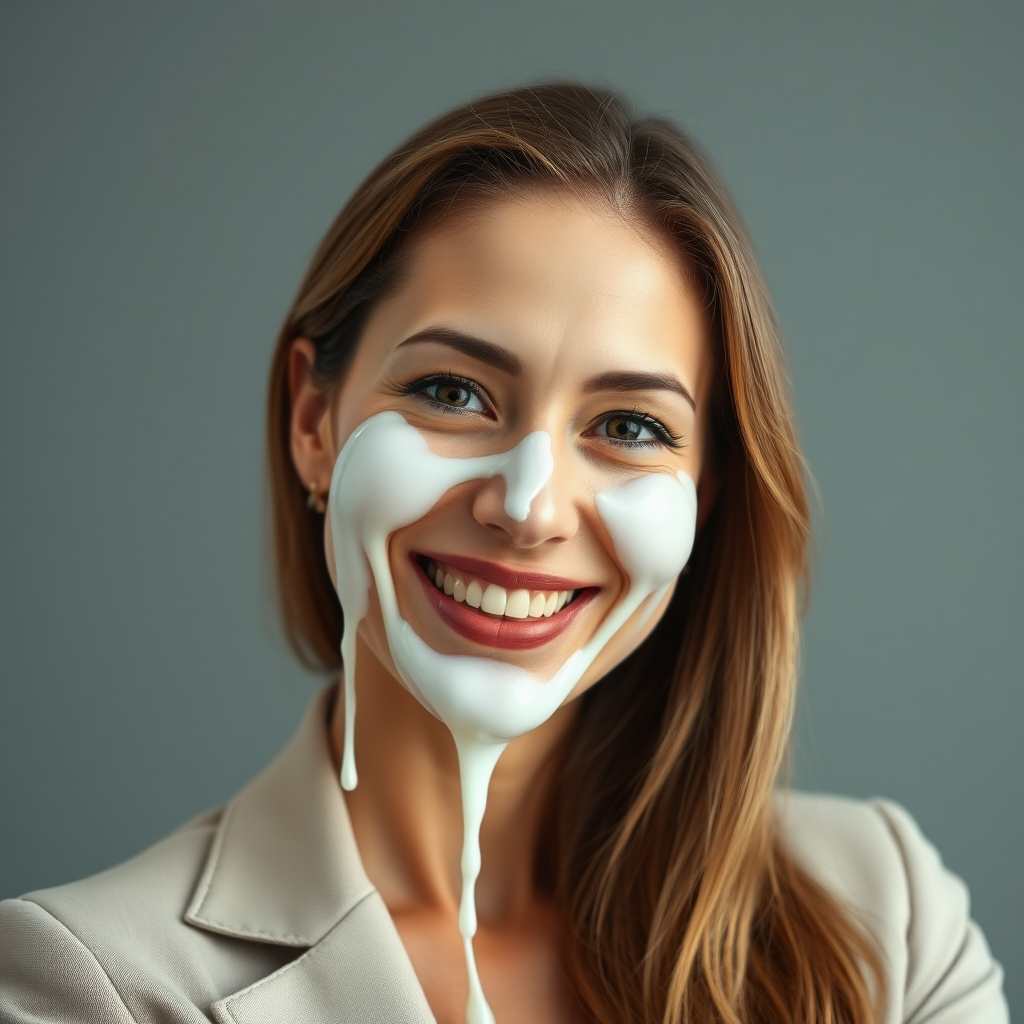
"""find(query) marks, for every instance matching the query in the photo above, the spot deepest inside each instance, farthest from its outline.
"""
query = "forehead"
(556, 280)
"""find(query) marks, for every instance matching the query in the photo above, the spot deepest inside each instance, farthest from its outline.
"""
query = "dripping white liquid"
(385, 478)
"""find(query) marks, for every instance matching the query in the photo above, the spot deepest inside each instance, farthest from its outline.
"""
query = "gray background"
(167, 171)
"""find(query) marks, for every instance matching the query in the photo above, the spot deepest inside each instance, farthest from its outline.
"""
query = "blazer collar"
(284, 868)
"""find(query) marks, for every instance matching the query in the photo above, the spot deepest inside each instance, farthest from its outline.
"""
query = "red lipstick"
(505, 634)
(510, 579)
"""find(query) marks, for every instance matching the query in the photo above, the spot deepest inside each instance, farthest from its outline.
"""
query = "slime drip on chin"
(386, 477)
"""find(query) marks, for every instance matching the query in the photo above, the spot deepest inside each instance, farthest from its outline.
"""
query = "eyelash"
(418, 387)
(663, 436)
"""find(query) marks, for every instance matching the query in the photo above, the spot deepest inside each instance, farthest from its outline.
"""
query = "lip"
(504, 634)
(510, 579)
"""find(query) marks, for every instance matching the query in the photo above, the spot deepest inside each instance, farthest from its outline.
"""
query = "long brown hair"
(682, 902)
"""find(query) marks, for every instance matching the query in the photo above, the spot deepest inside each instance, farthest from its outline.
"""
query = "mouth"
(497, 607)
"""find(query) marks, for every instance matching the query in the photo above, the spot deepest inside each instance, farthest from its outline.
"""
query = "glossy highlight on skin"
(386, 477)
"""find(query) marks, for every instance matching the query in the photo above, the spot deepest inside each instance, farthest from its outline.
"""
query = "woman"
(535, 328)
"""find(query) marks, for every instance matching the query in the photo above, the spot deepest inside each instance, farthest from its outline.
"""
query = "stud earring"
(315, 501)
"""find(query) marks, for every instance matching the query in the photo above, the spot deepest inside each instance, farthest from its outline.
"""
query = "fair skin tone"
(594, 334)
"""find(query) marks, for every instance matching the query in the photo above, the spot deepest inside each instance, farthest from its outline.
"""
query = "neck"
(407, 809)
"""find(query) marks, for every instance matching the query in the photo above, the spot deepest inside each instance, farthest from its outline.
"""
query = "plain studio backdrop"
(167, 171)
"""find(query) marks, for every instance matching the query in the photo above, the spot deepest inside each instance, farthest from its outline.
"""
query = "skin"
(572, 290)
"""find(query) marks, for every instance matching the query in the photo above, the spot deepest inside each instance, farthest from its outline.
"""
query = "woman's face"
(538, 314)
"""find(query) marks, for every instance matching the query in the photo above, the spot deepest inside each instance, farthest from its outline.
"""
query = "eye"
(625, 428)
(450, 394)
(636, 430)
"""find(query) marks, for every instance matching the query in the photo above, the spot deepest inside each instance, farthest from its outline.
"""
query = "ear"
(312, 439)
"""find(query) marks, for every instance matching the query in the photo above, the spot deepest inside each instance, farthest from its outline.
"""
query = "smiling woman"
(539, 509)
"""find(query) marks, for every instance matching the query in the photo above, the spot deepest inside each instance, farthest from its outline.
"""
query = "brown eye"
(636, 430)
(452, 394)
(624, 429)
(449, 394)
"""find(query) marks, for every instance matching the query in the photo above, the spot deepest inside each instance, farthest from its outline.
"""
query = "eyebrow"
(476, 348)
(634, 380)
(508, 362)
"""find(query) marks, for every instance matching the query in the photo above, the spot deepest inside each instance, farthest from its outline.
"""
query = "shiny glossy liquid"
(386, 477)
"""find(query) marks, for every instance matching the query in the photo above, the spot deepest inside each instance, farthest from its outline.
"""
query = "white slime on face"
(386, 477)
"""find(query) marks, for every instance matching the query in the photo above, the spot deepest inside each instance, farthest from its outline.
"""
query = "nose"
(528, 501)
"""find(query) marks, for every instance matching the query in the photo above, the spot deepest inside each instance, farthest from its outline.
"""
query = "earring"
(315, 501)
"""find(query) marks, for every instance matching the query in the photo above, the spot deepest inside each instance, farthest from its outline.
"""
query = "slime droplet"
(386, 477)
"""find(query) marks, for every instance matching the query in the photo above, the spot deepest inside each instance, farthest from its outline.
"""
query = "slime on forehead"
(386, 477)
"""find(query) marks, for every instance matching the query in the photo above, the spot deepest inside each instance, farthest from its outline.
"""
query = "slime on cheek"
(386, 477)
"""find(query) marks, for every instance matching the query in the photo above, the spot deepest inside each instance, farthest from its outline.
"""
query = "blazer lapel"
(284, 868)
(358, 973)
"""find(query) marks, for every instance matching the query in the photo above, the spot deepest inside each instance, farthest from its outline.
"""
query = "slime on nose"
(386, 477)
(528, 468)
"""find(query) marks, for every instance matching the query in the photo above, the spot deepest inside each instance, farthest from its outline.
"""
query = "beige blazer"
(261, 913)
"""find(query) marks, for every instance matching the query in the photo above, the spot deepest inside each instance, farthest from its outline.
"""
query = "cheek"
(635, 631)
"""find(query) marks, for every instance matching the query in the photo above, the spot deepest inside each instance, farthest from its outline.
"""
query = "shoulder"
(69, 948)
(150, 886)
(872, 856)
(115, 947)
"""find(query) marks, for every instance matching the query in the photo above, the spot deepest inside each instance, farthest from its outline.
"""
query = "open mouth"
(496, 612)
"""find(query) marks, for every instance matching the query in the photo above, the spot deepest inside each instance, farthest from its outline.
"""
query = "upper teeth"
(495, 600)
